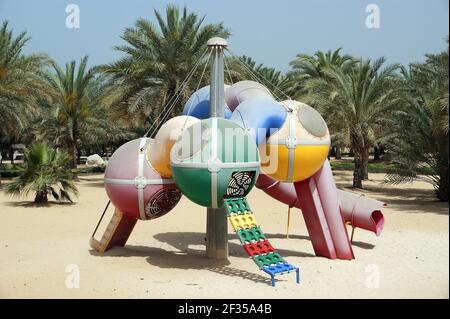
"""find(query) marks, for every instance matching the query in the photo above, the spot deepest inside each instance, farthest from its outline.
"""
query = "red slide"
(326, 210)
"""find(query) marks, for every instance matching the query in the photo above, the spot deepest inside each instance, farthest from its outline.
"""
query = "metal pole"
(216, 218)
(217, 99)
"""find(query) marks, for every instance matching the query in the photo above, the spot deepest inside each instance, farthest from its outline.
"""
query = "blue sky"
(272, 32)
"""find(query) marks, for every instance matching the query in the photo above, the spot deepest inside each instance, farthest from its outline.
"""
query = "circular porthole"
(312, 121)
(239, 183)
(162, 202)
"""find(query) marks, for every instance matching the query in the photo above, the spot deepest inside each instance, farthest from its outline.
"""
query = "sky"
(272, 32)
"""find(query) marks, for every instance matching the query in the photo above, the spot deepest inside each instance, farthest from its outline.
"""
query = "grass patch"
(89, 169)
(373, 167)
(8, 170)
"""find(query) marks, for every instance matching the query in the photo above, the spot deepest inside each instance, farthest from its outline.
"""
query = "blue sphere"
(198, 105)
(261, 116)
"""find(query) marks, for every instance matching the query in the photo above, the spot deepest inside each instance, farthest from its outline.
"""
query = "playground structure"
(229, 139)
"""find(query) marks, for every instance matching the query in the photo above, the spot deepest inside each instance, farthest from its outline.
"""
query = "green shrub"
(45, 172)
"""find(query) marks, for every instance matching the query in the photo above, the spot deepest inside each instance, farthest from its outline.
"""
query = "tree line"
(369, 106)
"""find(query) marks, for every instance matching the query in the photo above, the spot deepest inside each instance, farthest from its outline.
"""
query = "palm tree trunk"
(442, 191)
(338, 153)
(11, 154)
(358, 172)
(366, 164)
(358, 148)
(171, 90)
(73, 153)
(351, 152)
(443, 169)
(376, 153)
(72, 145)
(41, 196)
(332, 152)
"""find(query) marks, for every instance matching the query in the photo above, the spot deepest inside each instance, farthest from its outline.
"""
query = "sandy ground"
(164, 258)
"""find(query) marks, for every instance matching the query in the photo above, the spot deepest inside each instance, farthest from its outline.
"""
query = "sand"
(164, 258)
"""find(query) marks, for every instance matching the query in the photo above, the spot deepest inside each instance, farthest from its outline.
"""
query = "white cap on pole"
(217, 41)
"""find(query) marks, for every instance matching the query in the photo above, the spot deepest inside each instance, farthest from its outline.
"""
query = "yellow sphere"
(299, 148)
(167, 135)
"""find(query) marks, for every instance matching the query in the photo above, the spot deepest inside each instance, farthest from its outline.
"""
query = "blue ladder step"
(281, 268)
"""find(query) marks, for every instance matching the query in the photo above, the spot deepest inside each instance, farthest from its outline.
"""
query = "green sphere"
(214, 159)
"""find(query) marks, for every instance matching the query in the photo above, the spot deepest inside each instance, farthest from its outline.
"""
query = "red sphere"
(134, 187)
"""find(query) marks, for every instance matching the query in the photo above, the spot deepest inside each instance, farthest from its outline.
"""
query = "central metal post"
(216, 218)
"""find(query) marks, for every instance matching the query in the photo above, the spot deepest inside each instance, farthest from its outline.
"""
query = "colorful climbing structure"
(224, 143)
(254, 241)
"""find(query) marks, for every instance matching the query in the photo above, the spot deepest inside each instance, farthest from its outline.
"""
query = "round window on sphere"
(312, 121)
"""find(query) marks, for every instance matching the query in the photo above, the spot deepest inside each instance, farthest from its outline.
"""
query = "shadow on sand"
(405, 200)
(31, 204)
(188, 255)
(194, 259)
(92, 181)
(363, 245)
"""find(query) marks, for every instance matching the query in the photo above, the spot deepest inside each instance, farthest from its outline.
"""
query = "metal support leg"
(217, 233)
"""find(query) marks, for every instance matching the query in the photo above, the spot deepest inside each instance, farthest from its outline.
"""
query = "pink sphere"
(134, 187)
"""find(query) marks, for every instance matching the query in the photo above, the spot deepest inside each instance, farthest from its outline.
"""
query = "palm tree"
(97, 129)
(238, 68)
(420, 141)
(314, 66)
(45, 173)
(436, 70)
(306, 67)
(359, 101)
(20, 83)
(157, 59)
(72, 104)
